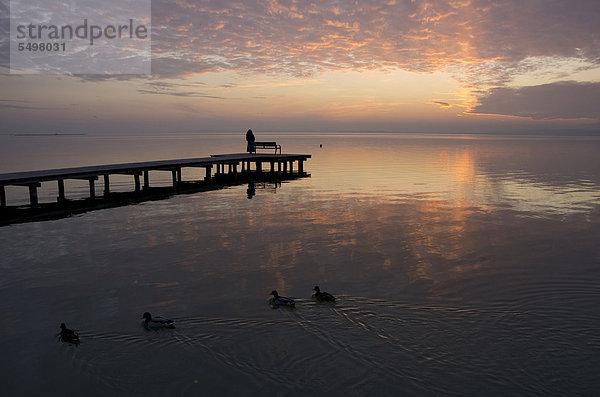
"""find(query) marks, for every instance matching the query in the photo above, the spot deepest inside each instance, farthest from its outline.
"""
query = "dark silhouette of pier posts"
(233, 168)
(33, 196)
(106, 185)
(136, 178)
(33, 179)
(61, 190)
(176, 173)
(92, 183)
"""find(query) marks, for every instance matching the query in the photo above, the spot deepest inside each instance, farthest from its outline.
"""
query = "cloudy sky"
(286, 65)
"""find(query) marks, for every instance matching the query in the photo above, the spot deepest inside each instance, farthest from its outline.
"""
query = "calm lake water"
(463, 265)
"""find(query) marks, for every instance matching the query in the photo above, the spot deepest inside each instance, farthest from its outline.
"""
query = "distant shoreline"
(42, 134)
(537, 133)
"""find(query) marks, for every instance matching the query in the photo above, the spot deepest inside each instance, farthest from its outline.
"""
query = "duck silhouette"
(323, 296)
(157, 321)
(68, 335)
(281, 300)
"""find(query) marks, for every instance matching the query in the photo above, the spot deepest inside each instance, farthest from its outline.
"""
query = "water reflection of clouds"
(431, 211)
(530, 175)
(395, 209)
(422, 246)
(543, 198)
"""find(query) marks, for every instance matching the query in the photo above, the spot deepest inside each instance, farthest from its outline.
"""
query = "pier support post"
(136, 177)
(301, 167)
(272, 167)
(61, 190)
(106, 185)
(208, 171)
(291, 166)
(92, 187)
(176, 173)
(259, 167)
(146, 180)
(2, 197)
(285, 167)
(33, 196)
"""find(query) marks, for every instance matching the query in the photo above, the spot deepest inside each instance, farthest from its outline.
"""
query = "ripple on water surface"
(356, 345)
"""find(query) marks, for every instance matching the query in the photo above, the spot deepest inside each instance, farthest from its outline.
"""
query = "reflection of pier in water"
(269, 186)
(258, 171)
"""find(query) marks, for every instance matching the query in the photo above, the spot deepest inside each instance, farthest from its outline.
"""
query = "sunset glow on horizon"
(408, 66)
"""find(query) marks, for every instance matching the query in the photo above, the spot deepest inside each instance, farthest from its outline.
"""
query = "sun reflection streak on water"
(461, 173)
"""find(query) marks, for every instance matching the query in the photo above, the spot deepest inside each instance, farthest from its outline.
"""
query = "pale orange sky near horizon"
(430, 66)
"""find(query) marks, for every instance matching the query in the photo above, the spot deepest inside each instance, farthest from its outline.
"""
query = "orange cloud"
(482, 43)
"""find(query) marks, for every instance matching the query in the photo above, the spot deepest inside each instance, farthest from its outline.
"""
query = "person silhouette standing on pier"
(250, 138)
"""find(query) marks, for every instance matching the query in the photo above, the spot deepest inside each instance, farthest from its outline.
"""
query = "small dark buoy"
(68, 335)
(321, 145)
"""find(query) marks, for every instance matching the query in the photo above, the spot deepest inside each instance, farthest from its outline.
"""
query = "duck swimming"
(157, 321)
(281, 300)
(68, 335)
(323, 296)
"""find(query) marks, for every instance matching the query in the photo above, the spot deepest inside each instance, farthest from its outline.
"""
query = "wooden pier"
(223, 164)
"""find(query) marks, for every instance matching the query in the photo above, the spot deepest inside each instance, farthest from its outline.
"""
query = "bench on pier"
(267, 145)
